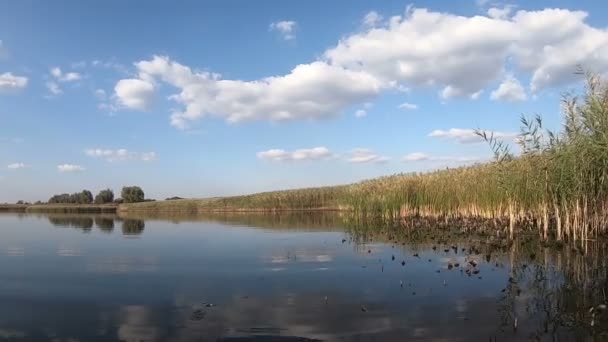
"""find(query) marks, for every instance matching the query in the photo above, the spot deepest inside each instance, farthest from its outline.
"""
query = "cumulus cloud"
(463, 55)
(64, 77)
(135, 93)
(53, 88)
(286, 28)
(120, 154)
(100, 94)
(509, 90)
(360, 113)
(372, 19)
(408, 106)
(467, 136)
(416, 156)
(316, 153)
(58, 76)
(364, 155)
(11, 83)
(17, 166)
(310, 91)
(70, 168)
(419, 157)
(500, 13)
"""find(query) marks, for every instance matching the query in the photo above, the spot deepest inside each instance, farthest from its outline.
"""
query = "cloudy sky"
(224, 97)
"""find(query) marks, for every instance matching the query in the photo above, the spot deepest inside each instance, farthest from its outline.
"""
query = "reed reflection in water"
(300, 277)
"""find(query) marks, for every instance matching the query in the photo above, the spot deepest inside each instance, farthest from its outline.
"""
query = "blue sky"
(212, 98)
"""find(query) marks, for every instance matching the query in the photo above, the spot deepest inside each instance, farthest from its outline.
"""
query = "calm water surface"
(278, 278)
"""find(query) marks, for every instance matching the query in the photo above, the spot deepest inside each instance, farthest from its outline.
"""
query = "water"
(284, 278)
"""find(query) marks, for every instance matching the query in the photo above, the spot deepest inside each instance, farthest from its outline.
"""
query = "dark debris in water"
(198, 315)
(267, 338)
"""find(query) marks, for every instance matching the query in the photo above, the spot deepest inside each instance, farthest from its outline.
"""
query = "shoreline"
(71, 208)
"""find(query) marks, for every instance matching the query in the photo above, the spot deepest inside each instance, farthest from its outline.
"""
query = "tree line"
(129, 194)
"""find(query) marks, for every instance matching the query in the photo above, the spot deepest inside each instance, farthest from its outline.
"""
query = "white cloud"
(408, 106)
(120, 154)
(148, 156)
(467, 136)
(58, 76)
(500, 13)
(135, 93)
(100, 94)
(70, 168)
(287, 28)
(364, 155)
(360, 113)
(65, 77)
(372, 19)
(10, 82)
(509, 90)
(451, 92)
(316, 153)
(416, 156)
(110, 64)
(419, 157)
(463, 55)
(309, 91)
(53, 88)
(106, 103)
(17, 166)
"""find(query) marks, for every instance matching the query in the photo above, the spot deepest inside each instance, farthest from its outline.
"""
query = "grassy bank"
(72, 208)
(557, 186)
(318, 199)
(13, 207)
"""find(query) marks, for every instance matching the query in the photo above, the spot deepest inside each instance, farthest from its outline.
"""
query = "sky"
(214, 98)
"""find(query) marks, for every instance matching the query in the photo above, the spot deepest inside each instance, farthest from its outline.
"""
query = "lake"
(297, 277)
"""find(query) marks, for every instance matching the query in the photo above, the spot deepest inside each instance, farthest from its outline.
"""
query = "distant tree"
(62, 198)
(104, 196)
(86, 197)
(20, 202)
(118, 200)
(132, 194)
(174, 198)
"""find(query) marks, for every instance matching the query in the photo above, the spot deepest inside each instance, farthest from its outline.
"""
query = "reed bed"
(13, 207)
(558, 185)
(325, 198)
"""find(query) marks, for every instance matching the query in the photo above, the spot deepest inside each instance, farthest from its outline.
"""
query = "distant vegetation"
(558, 186)
(104, 196)
(130, 194)
(83, 197)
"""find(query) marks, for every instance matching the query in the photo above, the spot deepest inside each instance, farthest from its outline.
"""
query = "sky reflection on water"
(78, 277)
